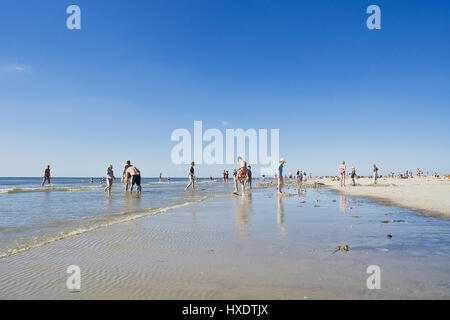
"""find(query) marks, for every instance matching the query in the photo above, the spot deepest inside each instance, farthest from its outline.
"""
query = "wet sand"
(253, 247)
(427, 195)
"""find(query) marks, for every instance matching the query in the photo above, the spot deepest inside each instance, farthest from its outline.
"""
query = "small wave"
(46, 189)
(93, 224)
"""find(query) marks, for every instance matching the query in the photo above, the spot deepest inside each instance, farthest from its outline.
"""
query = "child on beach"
(249, 176)
(109, 178)
(240, 175)
(353, 176)
(342, 173)
(191, 177)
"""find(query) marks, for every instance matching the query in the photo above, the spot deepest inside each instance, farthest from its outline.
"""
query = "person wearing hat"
(353, 176)
(280, 175)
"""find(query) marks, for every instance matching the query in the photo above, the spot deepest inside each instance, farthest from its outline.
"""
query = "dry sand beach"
(425, 194)
(258, 246)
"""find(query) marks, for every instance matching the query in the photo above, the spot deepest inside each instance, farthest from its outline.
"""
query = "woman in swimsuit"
(109, 179)
(280, 176)
(191, 177)
(342, 173)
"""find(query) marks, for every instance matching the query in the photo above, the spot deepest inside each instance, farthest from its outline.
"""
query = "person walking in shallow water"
(46, 176)
(191, 177)
(126, 176)
(240, 176)
(109, 178)
(135, 175)
(342, 173)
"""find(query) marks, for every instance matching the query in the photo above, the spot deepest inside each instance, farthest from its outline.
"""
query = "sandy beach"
(427, 195)
(257, 246)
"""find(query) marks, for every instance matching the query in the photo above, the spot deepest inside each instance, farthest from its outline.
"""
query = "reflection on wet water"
(343, 204)
(131, 202)
(108, 201)
(280, 216)
(241, 209)
(193, 215)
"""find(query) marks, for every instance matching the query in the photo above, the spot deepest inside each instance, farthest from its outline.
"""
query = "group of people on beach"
(375, 175)
(131, 176)
(406, 175)
(342, 174)
(242, 175)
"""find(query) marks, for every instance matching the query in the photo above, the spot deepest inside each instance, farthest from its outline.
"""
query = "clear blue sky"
(137, 70)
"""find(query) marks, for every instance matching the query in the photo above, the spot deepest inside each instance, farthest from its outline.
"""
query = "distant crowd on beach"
(131, 176)
(375, 176)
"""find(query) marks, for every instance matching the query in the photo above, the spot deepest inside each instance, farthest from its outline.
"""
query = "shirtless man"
(125, 176)
(46, 176)
(135, 178)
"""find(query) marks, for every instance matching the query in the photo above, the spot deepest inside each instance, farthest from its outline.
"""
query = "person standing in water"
(342, 173)
(280, 176)
(191, 177)
(46, 176)
(125, 176)
(241, 175)
(375, 174)
(135, 175)
(160, 177)
(109, 178)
